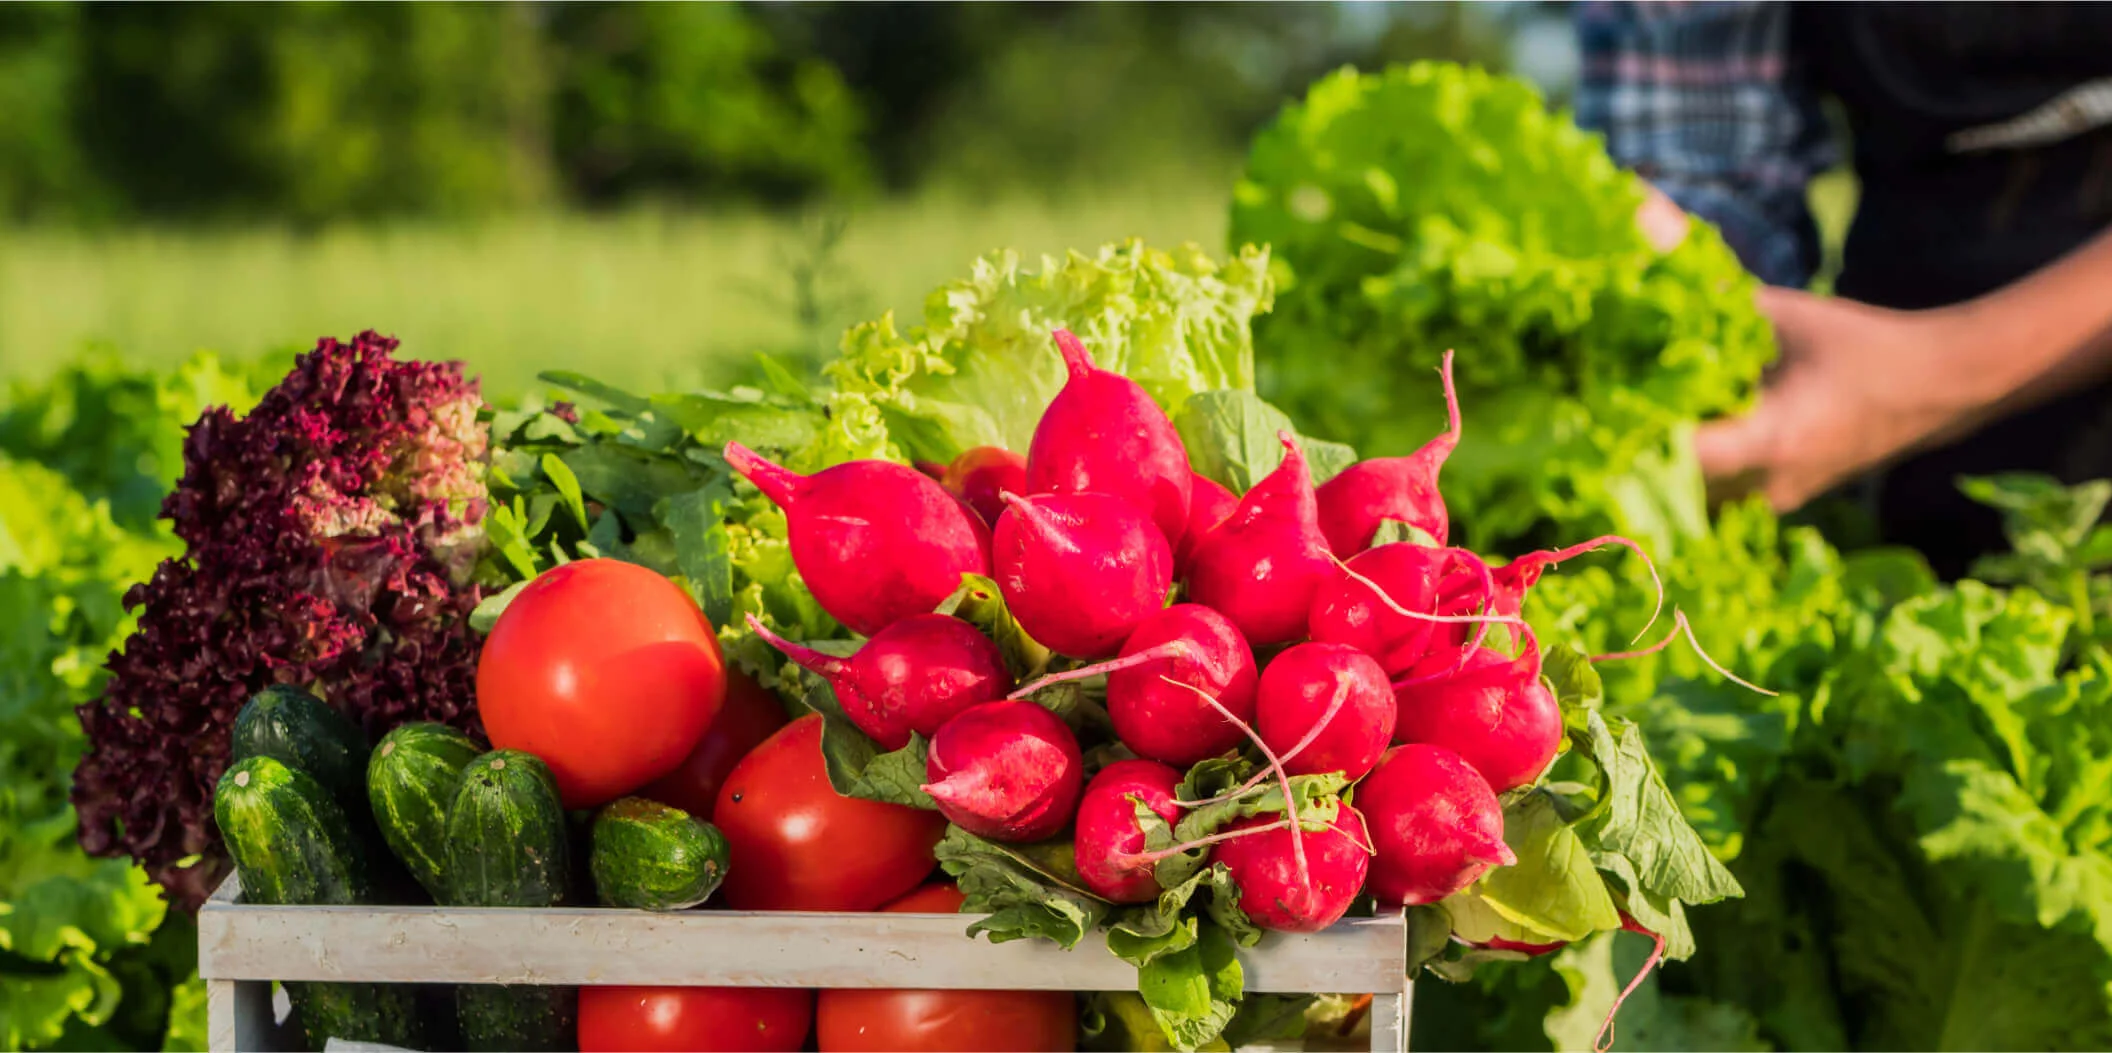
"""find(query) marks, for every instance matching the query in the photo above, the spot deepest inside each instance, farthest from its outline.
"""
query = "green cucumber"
(302, 731)
(411, 781)
(649, 856)
(506, 847)
(292, 845)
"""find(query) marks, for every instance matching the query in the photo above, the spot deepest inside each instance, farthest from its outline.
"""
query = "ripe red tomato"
(944, 1020)
(704, 1019)
(605, 670)
(939, 897)
(751, 713)
(797, 844)
(855, 1021)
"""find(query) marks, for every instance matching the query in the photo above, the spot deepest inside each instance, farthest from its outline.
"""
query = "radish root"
(1283, 779)
(1531, 566)
(1333, 708)
(1604, 1042)
(1168, 650)
(1682, 627)
(1445, 619)
(1149, 858)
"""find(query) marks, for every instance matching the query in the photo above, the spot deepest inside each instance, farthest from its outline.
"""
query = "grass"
(640, 299)
(646, 300)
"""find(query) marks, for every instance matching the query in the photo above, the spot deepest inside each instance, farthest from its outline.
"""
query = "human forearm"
(1859, 386)
(2035, 339)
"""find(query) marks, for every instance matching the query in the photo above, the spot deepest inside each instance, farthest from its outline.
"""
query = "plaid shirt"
(1707, 102)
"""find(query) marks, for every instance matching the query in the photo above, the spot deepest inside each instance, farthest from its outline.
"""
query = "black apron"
(1936, 225)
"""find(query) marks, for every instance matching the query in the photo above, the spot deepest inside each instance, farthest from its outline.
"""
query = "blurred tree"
(320, 111)
(904, 60)
(1062, 94)
(1094, 92)
(41, 168)
(696, 100)
(315, 110)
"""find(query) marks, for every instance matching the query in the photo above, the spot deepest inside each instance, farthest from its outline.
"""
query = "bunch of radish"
(1268, 622)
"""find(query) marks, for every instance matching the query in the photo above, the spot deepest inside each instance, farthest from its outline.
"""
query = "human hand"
(1855, 386)
(1664, 223)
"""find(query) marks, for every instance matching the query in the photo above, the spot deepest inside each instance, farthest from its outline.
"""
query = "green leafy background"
(1918, 817)
(90, 957)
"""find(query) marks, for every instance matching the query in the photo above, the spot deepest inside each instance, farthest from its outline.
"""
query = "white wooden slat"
(727, 948)
(221, 1032)
(1407, 1009)
(1389, 1024)
(240, 1016)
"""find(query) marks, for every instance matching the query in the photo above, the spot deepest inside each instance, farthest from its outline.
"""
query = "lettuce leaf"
(981, 367)
(71, 928)
(115, 431)
(1928, 865)
(1434, 207)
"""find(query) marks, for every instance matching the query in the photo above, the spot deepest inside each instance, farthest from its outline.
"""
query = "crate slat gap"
(580, 946)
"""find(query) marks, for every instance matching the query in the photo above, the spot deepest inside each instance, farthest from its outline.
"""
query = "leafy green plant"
(1434, 207)
(90, 955)
(2056, 537)
(1919, 815)
(980, 368)
(75, 933)
(116, 431)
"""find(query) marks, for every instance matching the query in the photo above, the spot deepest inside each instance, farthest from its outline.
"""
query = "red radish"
(1435, 825)
(1208, 505)
(980, 474)
(1151, 686)
(1261, 566)
(875, 541)
(1007, 771)
(1103, 434)
(913, 675)
(1353, 607)
(1368, 493)
(1323, 707)
(1493, 711)
(1108, 843)
(1470, 587)
(1081, 571)
(1466, 591)
(1265, 867)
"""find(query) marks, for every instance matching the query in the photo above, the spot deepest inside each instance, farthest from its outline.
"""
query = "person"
(1971, 330)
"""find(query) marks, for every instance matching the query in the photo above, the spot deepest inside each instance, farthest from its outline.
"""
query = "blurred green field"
(641, 298)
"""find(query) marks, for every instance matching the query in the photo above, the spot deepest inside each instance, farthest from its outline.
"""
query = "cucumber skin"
(293, 846)
(302, 731)
(650, 856)
(507, 847)
(411, 782)
(496, 1018)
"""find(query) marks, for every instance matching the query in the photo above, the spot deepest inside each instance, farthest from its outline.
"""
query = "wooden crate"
(243, 947)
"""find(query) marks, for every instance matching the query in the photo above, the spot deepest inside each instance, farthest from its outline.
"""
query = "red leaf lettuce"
(331, 534)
